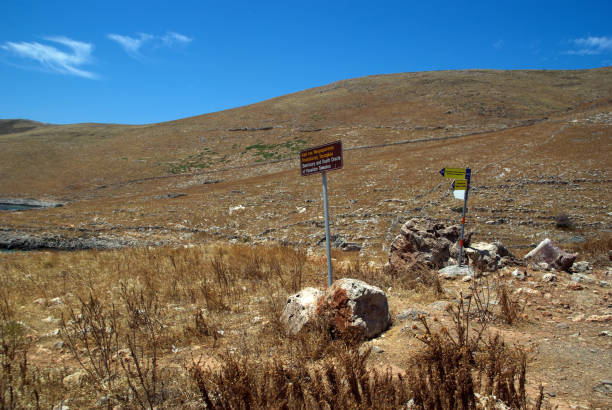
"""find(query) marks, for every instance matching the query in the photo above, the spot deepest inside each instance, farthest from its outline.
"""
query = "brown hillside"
(538, 143)
(217, 189)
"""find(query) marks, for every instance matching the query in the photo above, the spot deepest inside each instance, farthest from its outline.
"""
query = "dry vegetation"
(186, 323)
(198, 327)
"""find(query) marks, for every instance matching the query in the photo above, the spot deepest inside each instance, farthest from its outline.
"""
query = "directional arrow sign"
(460, 184)
(453, 173)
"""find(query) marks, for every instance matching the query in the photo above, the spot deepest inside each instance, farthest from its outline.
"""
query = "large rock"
(490, 257)
(425, 242)
(351, 304)
(300, 309)
(547, 252)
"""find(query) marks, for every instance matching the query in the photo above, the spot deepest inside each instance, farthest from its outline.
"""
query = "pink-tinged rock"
(300, 309)
(351, 304)
(556, 258)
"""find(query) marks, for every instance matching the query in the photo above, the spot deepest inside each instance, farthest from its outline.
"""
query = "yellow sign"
(460, 184)
(454, 173)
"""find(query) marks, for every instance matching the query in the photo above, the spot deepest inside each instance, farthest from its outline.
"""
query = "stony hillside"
(217, 189)
(538, 143)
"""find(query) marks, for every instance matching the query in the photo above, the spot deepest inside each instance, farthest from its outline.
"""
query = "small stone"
(103, 401)
(605, 333)
(578, 318)
(412, 314)
(527, 291)
(552, 394)
(582, 266)
(519, 275)
(604, 387)
(377, 349)
(59, 345)
(599, 318)
(466, 279)
(454, 271)
(604, 284)
(442, 305)
(56, 301)
(562, 326)
(50, 319)
(574, 286)
(549, 277)
(53, 333)
(74, 380)
(582, 278)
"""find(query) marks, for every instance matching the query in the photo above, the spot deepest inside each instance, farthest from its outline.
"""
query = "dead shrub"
(563, 221)
(510, 306)
(595, 250)
(455, 365)
(93, 339)
(202, 328)
(143, 338)
(341, 380)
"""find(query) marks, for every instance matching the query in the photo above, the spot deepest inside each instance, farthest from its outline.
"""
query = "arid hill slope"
(71, 160)
(538, 143)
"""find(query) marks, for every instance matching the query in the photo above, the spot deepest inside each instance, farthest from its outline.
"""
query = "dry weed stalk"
(510, 306)
(341, 380)
(14, 346)
(452, 368)
(143, 339)
(93, 339)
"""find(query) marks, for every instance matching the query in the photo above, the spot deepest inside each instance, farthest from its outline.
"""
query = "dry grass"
(175, 327)
(595, 250)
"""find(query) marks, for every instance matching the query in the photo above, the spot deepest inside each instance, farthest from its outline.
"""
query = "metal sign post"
(320, 159)
(465, 199)
(462, 182)
(327, 244)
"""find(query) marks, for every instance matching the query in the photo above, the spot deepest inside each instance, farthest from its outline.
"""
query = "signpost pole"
(465, 199)
(327, 244)
(320, 159)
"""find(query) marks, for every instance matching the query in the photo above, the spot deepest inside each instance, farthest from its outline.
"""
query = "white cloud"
(172, 38)
(499, 44)
(131, 45)
(592, 46)
(55, 59)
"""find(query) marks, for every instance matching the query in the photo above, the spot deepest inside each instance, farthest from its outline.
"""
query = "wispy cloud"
(54, 59)
(133, 45)
(172, 38)
(499, 44)
(591, 46)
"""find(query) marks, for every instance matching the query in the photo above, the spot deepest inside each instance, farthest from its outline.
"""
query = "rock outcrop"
(546, 252)
(490, 257)
(348, 305)
(351, 304)
(432, 244)
(425, 242)
(12, 240)
(300, 309)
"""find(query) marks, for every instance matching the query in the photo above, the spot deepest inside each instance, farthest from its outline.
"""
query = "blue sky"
(140, 62)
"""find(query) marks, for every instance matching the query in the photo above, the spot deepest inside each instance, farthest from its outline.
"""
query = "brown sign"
(322, 158)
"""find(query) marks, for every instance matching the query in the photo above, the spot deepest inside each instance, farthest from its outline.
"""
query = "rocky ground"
(538, 146)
